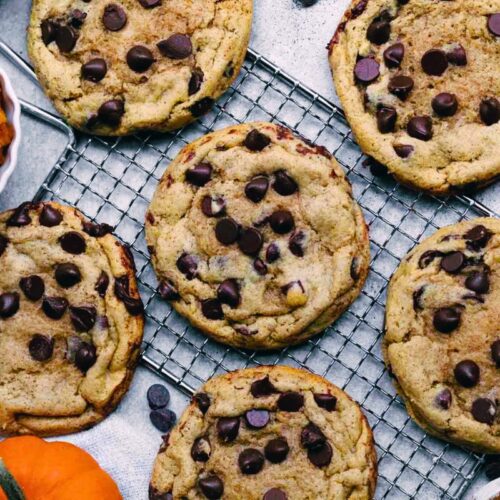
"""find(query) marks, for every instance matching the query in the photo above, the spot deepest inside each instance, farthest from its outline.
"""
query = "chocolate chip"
(114, 17)
(85, 357)
(417, 299)
(83, 318)
(176, 46)
(445, 104)
(158, 396)
(256, 189)
(133, 305)
(284, 184)
(73, 242)
(200, 174)
(401, 86)
(213, 206)
(33, 287)
(102, 284)
(393, 55)
(195, 81)
(467, 373)
(262, 387)
(260, 267)
(447, 319)
(477, 237)
(434, 62)
(272, 253)
(200, 451)
(326, 401)
(367, 70)
(187, 265)
(202, 401)
(311, 436)
(403, 150)
(478, 282)
(453, 262)
(257, 419)
(495, 352)
(54, 307)
(9, 304)
(229, 293)
(274, 494)
(201, 107)
(427, 257)
(228, 428)
(251, 461)
(149, 4)
(420, 127)
(296, 243)
(140, 58)
(163, 419)
(457, 56)
(111, 112)
(3, 244)
(67, 275)
(276, 450)
(484, 410)
(290, 401)
(50, 216)
(379, 31)
(66, 38)
(97, 230)
(167, 291)
(386, 119)
(281, 221)
(320, 456)
(226, 231)
(443, 399)
(94, 70)
(489, 110)
(250, 241)
(256, 141)
(212, 309)
(49, 29)
(41, 347)
(20, 216)
(211, 486)
(494, 24)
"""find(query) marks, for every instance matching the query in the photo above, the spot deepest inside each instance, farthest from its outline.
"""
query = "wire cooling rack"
(113, 179)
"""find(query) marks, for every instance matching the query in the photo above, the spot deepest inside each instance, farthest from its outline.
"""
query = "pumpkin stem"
(9, 484)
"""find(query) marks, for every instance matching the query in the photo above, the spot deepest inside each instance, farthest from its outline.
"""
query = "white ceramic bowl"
(13, 111)
(489, 492)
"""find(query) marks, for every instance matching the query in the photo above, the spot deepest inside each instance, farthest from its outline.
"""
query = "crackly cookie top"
(272, 433)
(116, 67)
(256, 238)
(70, 320)
(443, 339)
(420, 84)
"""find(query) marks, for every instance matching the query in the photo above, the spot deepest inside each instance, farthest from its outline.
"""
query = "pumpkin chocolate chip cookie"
(272, 433)
(70, 320)
(113, 68)
(255, 237)
(442, 341)
(419, 81)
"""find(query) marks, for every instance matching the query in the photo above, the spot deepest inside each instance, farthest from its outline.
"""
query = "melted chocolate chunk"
(122, 291)
(272, 253)
(263, 387)
(213, 206)
(85, 357)
(202, 400)
(20, 216)
(111, 112)
(41, 347)
(393, 55)
(149, 4)
(73, 242)
(417, 299)
(484, 410)
(67, 275)
(176, 46)
(9, 304)
(211, 486)
(48, 29)
(447, 319)
(403, 150)
(276, 450)
(312, 436)
(284, 184)
(320, 456)
(478, 282)
(140, 59)
(386, 119)
(33, 287)
(443, 399)
(167, 291)
(229, 293)
(83, 318)
(257, 419)
(250, 241)
(367, 70)
(296, 243)
(195, 82)
(477, 237)
(434, 62)
(453, 262)
(401, 86)
(256, 141)
(200, 451)
(97, 230)
(200, 174)
(94, 70)
(260, 267)
(50, 216)
(187, 265)
(326, 401)
(201, 107)
(227, 231)
(420, 127)
(114, 17)
(257, 188)
(54, 307)
(379, 31)
(102, 284)
(427, 257)
(228, 428)
(281, 221)
(66, 38)
(467, 373)
(489, 110)
(494, 24)
(457, 56)
(445, 104)
(274, 494)
(290, 401)
(251, 461)
(212, 309)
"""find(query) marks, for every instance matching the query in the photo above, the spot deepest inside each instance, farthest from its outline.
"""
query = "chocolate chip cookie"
(271, 433)
(255, 237)
(443, 341)
(115, 67)
(419, 81)
(70, 320)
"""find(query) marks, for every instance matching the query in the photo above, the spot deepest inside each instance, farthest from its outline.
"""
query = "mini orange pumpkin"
(33, 469)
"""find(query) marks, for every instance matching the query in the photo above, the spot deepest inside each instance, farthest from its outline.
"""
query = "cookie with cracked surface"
(70, 320)
(255, 237)
(113, 68)
(442, 341)
(268, 433)
(419, 83)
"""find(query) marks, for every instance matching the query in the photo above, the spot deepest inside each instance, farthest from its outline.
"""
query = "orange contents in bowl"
(6, 131)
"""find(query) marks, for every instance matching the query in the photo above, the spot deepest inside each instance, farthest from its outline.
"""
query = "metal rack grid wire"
(112, 180)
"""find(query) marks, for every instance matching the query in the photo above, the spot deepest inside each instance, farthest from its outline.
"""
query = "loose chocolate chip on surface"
(260, 267)
(257, 419)
(211, 486)
(394, 55)
(250, 241)
(102, 284)
(187, 265)
(158, 396)
(489, 110)
(284, 184)
(453, 262)
(290, 401)
(443, 399)
(256, 141)
(33, 287)
(49, 29)
(50, 216)
(311, 436)
(495, 352)
(213, 206)
(434, 62)
(228, 428)
(195, 81)
(275, 493)
(41, 347)
(212, 309)
(478, 282)
(66, 38)
(167, 291)
(85, 357)
(202, 400)
(67, 275)
(149, 4)
(20, 216)
(133, 305)
(477, 237)
(484, 410)
(228, 293)
(162, 419)
(111, 112)
(276, 450)
(73, 242)
(94, 70)
(9, 304)
(201, 107)
(401, 86)
(140, 58)
(320, 456)
(281, 221)
(379, 31)
(447, 319)
(467, 373)
(54, 307)
(83, 318)
(403, 150)
(420, 127)
(386, 119)
(367, 70)
(445, 104)
(3, 244)
(227, 231)
(200, 451)
(494, 24)
(251, 461)
(256, 189)
(200, 174)
(457, 56)
(114, 17)
(326, 401)
(262, 387)
(176, 46)
(272, 253)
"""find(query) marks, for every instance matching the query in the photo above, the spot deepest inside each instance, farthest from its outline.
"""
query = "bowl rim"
(13, 112)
